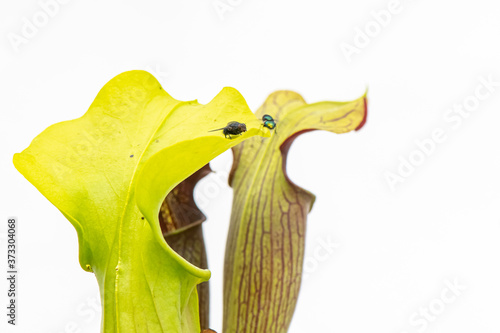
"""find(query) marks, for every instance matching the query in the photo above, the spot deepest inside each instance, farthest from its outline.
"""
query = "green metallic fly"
(269, 122)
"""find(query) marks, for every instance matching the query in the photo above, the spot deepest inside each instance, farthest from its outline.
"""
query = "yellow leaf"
(108, 173)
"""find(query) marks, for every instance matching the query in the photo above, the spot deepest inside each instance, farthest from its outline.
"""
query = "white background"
(394, 248)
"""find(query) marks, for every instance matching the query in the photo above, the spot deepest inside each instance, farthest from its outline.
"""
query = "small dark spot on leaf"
(131, 155)
(157, 141)
(142, 218)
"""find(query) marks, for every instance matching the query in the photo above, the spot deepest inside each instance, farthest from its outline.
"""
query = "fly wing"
(229, 125)
(217, 129)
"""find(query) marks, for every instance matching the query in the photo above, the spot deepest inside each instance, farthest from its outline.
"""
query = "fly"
(269, 122)
(232, 128)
